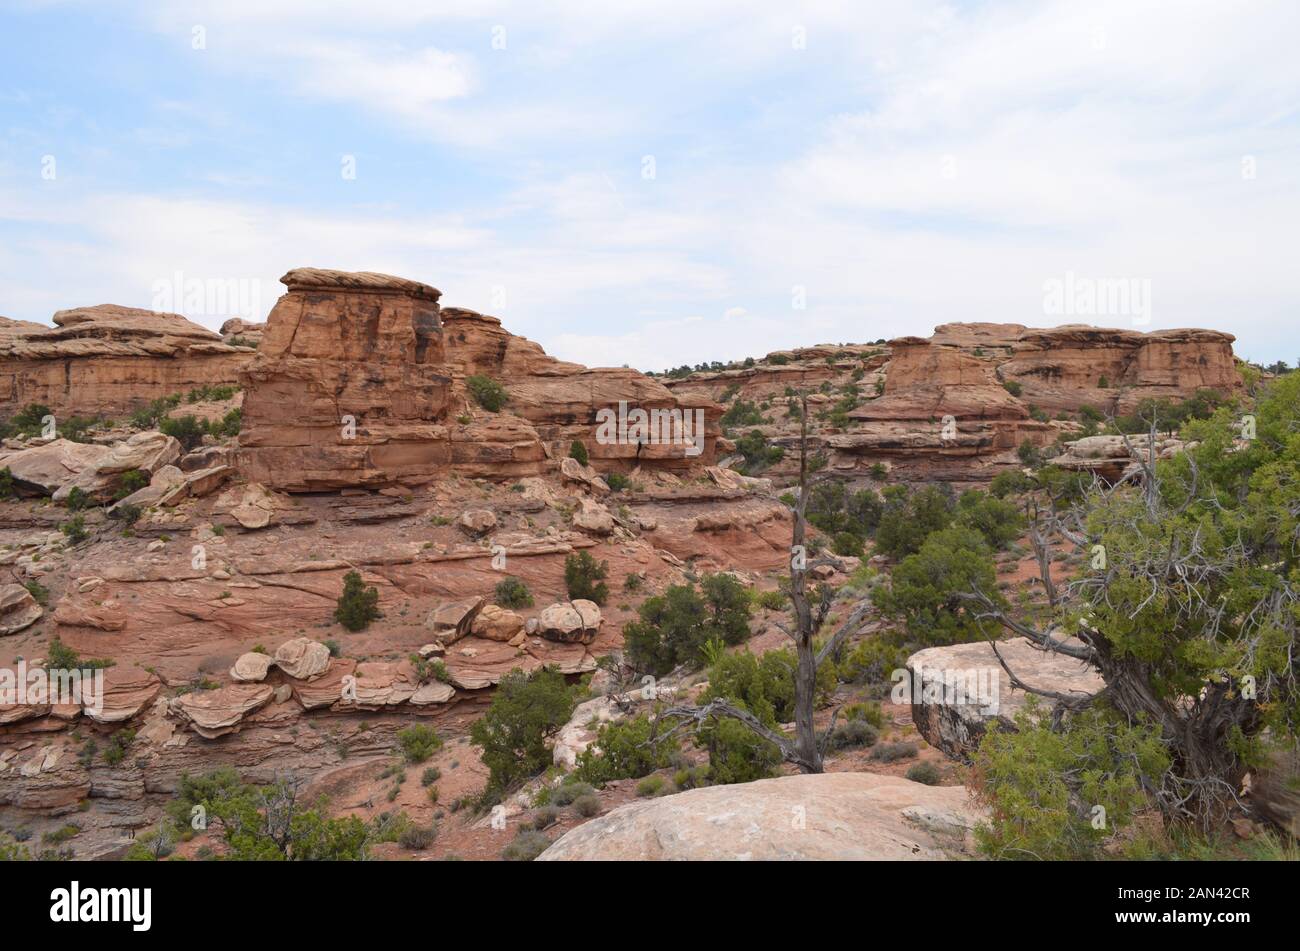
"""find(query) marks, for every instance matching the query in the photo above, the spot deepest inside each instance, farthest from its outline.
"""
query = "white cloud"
(915, 164)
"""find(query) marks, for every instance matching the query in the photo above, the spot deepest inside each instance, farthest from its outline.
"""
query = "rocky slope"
(108, 360)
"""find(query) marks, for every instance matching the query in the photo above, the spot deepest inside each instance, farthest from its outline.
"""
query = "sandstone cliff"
(360, 380)
(109, 360)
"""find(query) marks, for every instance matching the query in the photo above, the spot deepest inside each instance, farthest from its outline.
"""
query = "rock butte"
(963, 371)
(109, 359)
(360, 380)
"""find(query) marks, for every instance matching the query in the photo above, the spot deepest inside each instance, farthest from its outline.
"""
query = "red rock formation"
(109, 360)
(378, 350)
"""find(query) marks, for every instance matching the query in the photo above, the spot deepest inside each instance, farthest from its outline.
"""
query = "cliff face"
(109, 360)
(379, 351)
(1064, 368)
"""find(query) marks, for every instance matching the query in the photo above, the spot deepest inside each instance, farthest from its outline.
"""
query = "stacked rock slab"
(109, 360)
(361, 380)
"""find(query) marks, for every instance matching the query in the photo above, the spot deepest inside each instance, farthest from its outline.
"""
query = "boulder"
(251, 667)
(379, 685)
(252, 505)
(302, 658)
(476, 522)
(496, 623)
(592, 517)
(47, 468)
(571, 470)
(214, 713)
(146, 452)
(18, 609)
(826, 816)
(958, 690)
(435, 691)
(128, 691)
(570, 621)
(453, 620)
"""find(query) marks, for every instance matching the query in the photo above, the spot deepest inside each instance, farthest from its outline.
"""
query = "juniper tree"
(1189, 606)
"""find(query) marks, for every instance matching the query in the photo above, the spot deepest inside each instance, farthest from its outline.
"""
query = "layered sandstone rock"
(561, 400)
(842, 816)
(18, 609)
(242, 333)
(360, 380)
(1115, 457)
(45, 468)
(109, 360)
(959, 404)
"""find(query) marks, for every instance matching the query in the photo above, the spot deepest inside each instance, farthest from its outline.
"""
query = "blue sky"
(892, 165)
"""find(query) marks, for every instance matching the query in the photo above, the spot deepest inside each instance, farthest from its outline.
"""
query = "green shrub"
(488, 393)
(418, 742)
(737, 754)
(927, 590)
(770, 600)
(587, 806)
(616, 481)
(742, 413)
(1013, 482)
(40, 594)
(59, 656)
(654, 785)
(893, 752)
(417, 838)
(131, 481)
(525, 713)
(908, 518)
(229, 425)
(926, 773)
(847, 544)
(28, 422)
(758, 453)
(1042, 785)
(430, 776)
(357, 605)
(673, 628)
(7, 488)
(873, 660)
(999, 521)
(572, 788)
(117, 746)
(1012, 387)
(578, 451)
(78, 499)
(526, 846)
(584, 577)
(187, 430)
(624, 749)
(75, 529)
(513, 593)
(854, 733)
